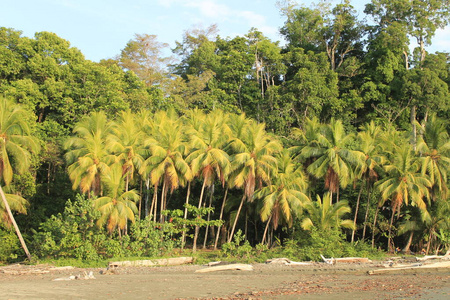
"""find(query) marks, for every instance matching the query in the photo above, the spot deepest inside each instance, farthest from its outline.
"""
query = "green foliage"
(238, 248)
(74, 234)
(9, 247)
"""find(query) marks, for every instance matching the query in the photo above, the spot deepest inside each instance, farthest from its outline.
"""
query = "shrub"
(9, 247)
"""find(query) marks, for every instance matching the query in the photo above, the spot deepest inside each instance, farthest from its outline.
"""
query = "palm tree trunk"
(367, 211)
(220, 218)
(161, 205)
(209, 217)
(356, 212)
(154, 203)
(197, 228)
(236, 219)
(390, 248)
(183, 238)
(373, 228)
(430, 239)
(13, 221)
(408, 244)
(265, 230)
(140, 199)
(246, 224)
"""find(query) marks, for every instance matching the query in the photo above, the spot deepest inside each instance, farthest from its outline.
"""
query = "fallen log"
(430, 257)
(445, 264)
(174, 261)
(61, 268)
(24, 272)
(241, 267)
(286, 261)
(352, 260)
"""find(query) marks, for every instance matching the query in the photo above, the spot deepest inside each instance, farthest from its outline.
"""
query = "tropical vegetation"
(335, 143)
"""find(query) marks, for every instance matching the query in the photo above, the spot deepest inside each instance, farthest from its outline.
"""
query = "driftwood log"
(242, 267)
(445, 264)
(333, 261)
(174, 261)
(286, 261)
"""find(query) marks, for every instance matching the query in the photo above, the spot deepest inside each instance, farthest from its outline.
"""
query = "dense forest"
(336, 141)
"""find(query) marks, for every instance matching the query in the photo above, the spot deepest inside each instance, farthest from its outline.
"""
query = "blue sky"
(101, 28)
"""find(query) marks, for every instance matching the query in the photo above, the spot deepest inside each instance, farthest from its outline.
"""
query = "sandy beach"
(266, 281)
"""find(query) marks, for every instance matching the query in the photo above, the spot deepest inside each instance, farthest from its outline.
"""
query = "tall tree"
(126, 143)
(16, 147)
(143, 56)
(254, 162)
(166, 163)
(434, 148)
(207, 158)
(88, 155)
(284, 197)
(333, 159)
(404, 184)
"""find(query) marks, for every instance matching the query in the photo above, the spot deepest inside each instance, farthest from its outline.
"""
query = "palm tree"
(126, 143)
(434, 148)
(118, 206)
(254, 162)
(16, 146)
(207, 158)
(404, 184)
(284, 197)
(89, 156)
(325, 216)
(15, 203)
(166, 162)
(370, 146)
(333, 160)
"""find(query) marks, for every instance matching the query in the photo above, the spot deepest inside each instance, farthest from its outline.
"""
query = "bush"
(74, 234)
(10, 246)
(237, 249)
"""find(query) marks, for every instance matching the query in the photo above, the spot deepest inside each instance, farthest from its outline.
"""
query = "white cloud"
(441, 40)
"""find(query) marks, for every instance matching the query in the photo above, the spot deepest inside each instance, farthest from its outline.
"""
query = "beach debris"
(85, 276)
(430, 257)
(330, 261)
(174, 261)
(61, 268)
(216, 263)
(333, 261)
(352, 260)
(20, 269)
(445, 264)
(287, 262)
(241, 267)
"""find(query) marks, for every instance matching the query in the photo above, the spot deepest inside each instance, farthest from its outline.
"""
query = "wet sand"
(318, 281)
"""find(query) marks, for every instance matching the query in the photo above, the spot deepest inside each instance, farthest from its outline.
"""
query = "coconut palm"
(207, 158)
(166, 163)
(325, 216)
(370, 146)
(332, 158)
(404, 184)
(16, 147)
(126, 143)
(89, 156)
(118, 206)
(254, 162)
(284, 197)
(434, 148)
